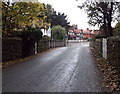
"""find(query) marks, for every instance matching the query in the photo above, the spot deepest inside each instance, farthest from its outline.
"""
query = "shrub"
(58, 32)
(116, 30)
(31, 34)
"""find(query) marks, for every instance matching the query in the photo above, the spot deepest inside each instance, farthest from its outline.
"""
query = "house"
(75, 34)
(79, 34)
(88, 33)
(46, 31)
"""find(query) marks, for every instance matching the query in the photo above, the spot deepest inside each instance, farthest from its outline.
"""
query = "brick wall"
(11, 49)
(43, 45)
(15, 48)
(113, 51)
(97, 44)
(28, 47)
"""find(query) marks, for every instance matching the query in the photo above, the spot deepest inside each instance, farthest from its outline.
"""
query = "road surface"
(65, 69)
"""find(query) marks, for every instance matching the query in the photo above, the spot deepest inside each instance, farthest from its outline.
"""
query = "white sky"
(74, 14)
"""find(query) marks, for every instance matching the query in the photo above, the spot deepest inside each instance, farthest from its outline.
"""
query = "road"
(65, 69)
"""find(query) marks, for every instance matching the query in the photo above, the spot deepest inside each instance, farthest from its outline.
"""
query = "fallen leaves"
(111, 77)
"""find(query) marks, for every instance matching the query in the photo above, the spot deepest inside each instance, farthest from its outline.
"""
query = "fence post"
(49, 43)
(64, 43)
(104, 48)
(35, 47)
(54, 44)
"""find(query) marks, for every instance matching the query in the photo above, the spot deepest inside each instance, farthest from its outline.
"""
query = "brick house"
(87, 33)
(79, 34)
(75, 34)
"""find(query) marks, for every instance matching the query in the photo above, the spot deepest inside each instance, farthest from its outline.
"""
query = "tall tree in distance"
(56, 18)
(102, 14)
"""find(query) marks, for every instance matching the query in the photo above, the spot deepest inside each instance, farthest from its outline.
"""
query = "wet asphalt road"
(65, 69)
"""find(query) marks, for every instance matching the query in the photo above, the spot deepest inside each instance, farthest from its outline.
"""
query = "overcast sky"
(74, 14)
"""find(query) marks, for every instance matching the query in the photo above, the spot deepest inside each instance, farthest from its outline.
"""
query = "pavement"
(65, 69)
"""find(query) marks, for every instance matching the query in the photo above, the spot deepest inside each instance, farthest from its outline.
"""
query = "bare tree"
(102, 14)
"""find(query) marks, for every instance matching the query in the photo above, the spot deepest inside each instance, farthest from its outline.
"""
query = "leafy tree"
(58, 32)
(102, 14)
(49, 12)
(20, 15)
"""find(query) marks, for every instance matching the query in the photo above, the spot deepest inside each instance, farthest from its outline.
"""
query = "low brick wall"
(28, 47)
(11, 48)
(113, 51)
(97, 44)
(43, 45)
(56, 43)
(59, 43)
(16, 48)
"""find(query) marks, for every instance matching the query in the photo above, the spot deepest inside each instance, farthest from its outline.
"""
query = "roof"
(77, 30)
(70, 30)
(86, 31)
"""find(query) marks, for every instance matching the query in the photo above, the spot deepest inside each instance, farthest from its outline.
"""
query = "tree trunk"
(105, 27)
(109, 20)
(110, 30)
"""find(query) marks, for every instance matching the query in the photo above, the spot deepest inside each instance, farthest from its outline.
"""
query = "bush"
(33, 34)
(116, 30)
(58, 32)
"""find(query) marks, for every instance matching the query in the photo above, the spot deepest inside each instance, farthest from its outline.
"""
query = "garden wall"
(56, 43)
(42, 45)
(46, 44)
(28, 47)
(11, 48)
(113, 51)
(97, 44)
(15, 48)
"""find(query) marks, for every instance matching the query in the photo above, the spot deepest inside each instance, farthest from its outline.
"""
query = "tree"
(102, 14)
(20, 15)
(49, 12)
(58, 32)
(60, 19)
(56, 18)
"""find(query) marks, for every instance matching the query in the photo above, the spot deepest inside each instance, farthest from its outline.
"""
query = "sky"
(74, 14)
